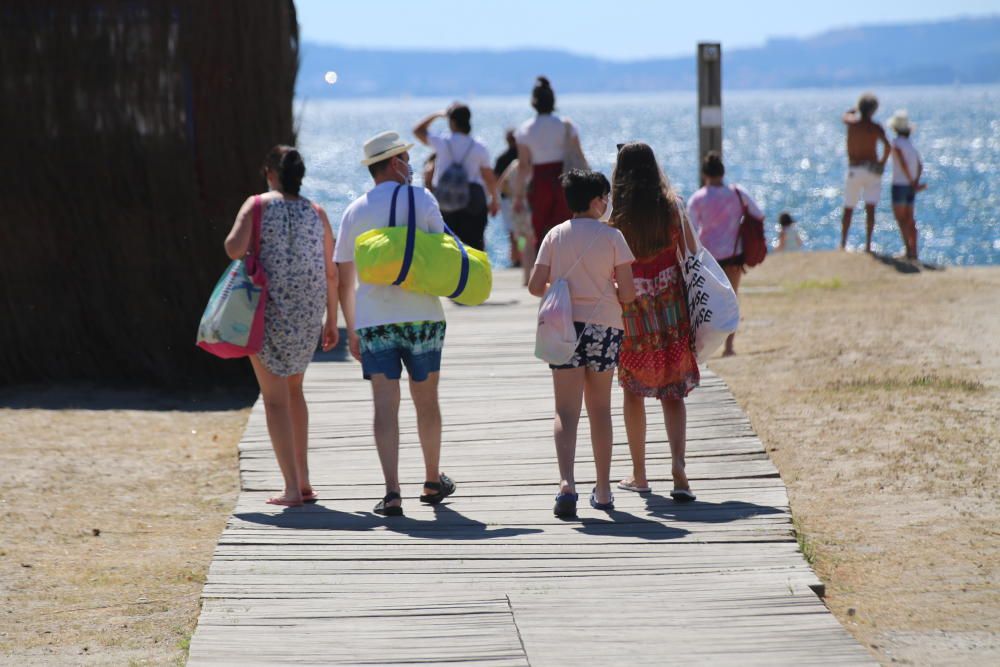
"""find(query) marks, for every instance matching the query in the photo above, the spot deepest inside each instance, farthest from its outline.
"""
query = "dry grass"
(877, 394)
(110, 518)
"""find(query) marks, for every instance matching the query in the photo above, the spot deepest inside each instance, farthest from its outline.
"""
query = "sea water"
(785, 147)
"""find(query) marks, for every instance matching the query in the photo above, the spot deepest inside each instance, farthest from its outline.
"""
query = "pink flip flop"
(278, 500)
(626, 486)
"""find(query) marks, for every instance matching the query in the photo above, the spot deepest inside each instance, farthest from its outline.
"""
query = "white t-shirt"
(388, 304)
(545, 135)
(910, 155)
(454, 147)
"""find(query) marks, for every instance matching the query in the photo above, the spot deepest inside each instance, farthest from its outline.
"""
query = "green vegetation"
(890, 383)
(805, 545)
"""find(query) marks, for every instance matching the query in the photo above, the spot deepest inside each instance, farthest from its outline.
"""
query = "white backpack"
(555, 338)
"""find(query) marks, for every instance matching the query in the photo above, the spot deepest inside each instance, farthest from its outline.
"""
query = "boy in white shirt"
(388, 327)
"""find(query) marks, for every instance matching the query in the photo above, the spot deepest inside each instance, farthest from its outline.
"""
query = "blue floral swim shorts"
(597, 349)
(386, 348)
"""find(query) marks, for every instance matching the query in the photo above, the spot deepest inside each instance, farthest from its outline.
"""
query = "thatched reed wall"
(131, 133)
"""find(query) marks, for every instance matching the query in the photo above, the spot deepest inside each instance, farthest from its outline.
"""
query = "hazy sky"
(617, 29)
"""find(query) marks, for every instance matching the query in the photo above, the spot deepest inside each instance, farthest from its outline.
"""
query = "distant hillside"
(963, 50)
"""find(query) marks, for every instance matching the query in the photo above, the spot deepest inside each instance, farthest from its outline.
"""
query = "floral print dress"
(291, 251)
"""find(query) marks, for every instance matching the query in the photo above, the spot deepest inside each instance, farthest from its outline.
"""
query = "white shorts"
(862, 184)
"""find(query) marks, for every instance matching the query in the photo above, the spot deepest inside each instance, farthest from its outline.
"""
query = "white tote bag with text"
(712, 304)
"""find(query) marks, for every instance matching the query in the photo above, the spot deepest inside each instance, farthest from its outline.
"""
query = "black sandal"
(385, 509)
(444, 488)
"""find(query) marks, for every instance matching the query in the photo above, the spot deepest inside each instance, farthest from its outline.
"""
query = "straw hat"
(900, 121)
(384, 146)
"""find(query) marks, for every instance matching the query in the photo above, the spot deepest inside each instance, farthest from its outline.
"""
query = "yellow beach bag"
(417, 261)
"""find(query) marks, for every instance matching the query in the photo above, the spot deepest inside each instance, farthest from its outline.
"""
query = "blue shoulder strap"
(463, 276)
(411, 232)
(411, 239)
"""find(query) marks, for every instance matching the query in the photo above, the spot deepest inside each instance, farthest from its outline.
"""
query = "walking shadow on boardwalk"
(446, 525)
(663, 514)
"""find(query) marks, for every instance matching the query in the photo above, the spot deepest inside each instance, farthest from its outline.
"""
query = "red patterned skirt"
(657, 357)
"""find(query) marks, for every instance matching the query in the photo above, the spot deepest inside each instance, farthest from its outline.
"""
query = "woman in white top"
(468, 219)
(543, 144)
(906, 172)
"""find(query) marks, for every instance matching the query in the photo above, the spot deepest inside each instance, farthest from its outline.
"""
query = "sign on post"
(709, 100)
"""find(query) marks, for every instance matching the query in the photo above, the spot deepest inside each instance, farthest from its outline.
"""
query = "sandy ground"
(110, 514)
(876, 392)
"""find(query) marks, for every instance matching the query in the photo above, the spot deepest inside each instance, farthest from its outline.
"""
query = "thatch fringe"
(133, 131)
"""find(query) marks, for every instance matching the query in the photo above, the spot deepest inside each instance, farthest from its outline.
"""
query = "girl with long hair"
(657, 358)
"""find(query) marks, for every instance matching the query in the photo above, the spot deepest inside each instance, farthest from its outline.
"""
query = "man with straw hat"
(907, 169)
(389, 328)
(865, 167)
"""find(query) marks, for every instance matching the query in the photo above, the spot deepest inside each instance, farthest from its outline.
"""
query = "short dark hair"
(377, 168)
(461, 116)
(867, 105)
(712, 165)
(581, 186)
(287, 163)
(785, 219)
(543, 98)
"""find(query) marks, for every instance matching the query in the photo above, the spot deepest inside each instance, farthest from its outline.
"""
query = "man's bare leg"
(869, 225)
(845, 226)
(385, 394)
(425, 401)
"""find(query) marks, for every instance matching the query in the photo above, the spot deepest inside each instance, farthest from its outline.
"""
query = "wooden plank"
(490, 577)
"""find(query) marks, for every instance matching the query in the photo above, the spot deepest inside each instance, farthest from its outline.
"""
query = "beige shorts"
(862, 184)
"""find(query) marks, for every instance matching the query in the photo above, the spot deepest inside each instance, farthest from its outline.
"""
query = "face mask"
(408, 176)
(606, 217)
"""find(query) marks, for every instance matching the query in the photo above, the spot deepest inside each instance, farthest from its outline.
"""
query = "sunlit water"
(785, 147)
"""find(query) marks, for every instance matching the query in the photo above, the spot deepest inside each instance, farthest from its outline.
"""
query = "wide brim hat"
(900, 122)
(384, 146)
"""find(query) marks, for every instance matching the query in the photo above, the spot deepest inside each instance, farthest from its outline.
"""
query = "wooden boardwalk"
(490, 577)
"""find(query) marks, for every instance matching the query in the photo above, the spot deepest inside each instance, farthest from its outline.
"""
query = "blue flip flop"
(566, 505)
(605, 507)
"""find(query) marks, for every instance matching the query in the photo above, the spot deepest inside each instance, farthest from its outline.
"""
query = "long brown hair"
(645, 207)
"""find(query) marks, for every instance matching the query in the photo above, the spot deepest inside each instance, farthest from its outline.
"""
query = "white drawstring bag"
(712, 304)
(555, 338)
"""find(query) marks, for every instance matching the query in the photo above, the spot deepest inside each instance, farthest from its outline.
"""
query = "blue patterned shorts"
(386, 348)
(597, 349)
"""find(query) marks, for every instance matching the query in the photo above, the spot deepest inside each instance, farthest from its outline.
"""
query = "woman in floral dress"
(657, 358)
(296, 251)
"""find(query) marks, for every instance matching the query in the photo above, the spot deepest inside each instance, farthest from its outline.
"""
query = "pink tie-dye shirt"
(715, 213)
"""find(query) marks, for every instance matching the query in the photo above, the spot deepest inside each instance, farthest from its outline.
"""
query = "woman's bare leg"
(277, 407)
(899, 212)
(735, 274)
(675, 416)
(528, 258)
(568, 386)
(597, 394)
(634, 410)
(299, 411)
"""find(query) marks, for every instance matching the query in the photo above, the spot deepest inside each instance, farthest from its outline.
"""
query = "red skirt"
(547, 199)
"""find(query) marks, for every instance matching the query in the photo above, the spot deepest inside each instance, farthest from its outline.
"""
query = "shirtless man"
(864, 171)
